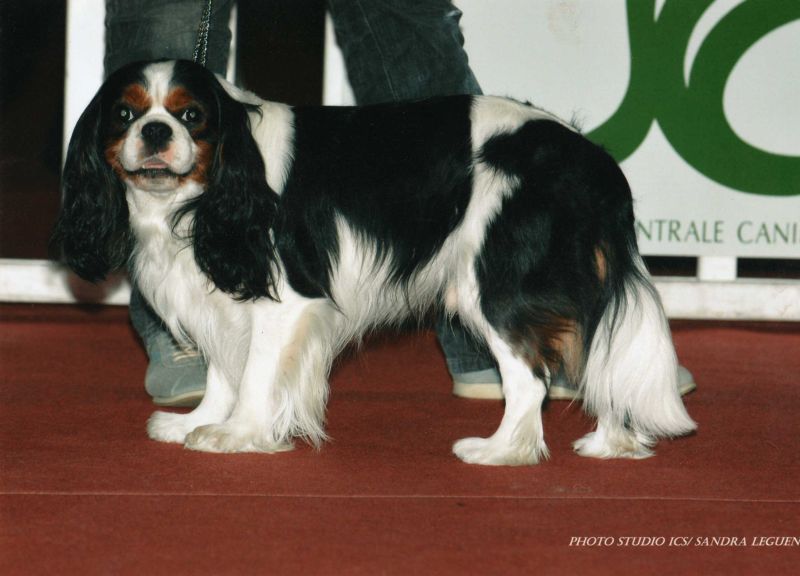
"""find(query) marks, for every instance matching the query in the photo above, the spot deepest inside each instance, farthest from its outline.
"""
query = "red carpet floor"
(83, 491)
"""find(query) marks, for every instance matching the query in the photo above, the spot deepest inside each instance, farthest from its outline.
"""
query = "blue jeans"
(393, 50)
(402, 49)
(155, 29)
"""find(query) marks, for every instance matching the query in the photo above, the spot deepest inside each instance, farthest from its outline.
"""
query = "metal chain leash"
(201, 46)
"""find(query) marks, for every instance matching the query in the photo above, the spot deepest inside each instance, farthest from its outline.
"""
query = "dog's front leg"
(261, 420)
(214, 408)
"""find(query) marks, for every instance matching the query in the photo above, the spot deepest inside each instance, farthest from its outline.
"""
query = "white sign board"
(699, 100)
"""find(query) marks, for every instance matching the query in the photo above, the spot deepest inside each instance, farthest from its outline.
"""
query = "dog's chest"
(178, 291)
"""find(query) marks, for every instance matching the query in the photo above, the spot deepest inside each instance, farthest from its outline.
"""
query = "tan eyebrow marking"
(137, 97)
(178, 99)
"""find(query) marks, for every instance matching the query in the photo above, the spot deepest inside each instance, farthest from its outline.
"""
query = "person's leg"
(410, 50)
(155, 29)
(402, 49)
(149, 30)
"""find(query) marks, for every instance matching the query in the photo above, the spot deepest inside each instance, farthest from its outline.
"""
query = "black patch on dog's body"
(572, 203)
(398, 174)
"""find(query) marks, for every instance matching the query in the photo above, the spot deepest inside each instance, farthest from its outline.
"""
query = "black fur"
(234, 216)
(92, 234)
(572, 203)
(400, 174)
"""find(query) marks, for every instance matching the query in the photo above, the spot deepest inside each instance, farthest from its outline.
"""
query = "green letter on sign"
(692, 117)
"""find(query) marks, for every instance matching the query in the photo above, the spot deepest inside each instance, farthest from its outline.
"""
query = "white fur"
(631, 380)
(492, 115)
(272, 129)
(520, 437)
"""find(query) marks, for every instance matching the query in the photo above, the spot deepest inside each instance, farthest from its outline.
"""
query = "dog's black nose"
(156, 134)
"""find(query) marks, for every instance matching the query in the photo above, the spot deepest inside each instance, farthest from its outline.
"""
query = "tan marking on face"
(137, 97)
(112, 156)
(178, 99)
(202, 162)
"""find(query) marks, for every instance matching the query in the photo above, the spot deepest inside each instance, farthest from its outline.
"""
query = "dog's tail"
(630, 379)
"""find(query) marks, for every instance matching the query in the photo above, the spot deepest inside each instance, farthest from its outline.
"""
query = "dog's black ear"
(234, 216)
(92, 233)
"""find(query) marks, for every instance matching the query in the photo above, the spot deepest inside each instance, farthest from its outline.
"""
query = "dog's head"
(170, 132)
(160, 126)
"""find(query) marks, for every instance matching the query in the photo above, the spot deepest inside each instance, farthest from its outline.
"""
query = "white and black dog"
(270, 236)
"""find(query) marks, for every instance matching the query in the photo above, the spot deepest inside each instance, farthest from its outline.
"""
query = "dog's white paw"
(169, 427)
(621, 444)
(494, 452)
(229, 437)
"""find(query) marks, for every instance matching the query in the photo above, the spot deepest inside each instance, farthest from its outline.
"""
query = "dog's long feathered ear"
(92, 233)
(234, 216)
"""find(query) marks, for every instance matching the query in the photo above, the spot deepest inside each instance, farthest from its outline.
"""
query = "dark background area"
(31, 113)
(280, 50)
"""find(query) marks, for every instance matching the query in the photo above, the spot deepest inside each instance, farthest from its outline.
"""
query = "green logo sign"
(692, 117)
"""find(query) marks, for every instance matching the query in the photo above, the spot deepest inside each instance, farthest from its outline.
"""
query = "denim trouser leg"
(154, 29)
(409, 50)
(402, 49)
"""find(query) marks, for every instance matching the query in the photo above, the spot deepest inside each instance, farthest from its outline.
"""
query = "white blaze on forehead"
(158, 77)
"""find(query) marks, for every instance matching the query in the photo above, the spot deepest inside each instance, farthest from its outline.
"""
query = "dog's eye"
(125, 114)
(191, 115)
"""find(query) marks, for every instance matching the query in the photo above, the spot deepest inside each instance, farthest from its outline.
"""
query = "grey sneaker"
(480, 385)
(175, 376)
(560, 389)
(486, 385)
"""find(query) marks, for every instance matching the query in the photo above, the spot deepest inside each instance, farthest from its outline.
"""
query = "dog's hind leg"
(612, 439)
(520, 437)
(631, 378)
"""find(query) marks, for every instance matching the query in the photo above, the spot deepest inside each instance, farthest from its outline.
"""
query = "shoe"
(175, 376)
(478, 385)
(486, 385)
(686, 382)
(561, 390)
